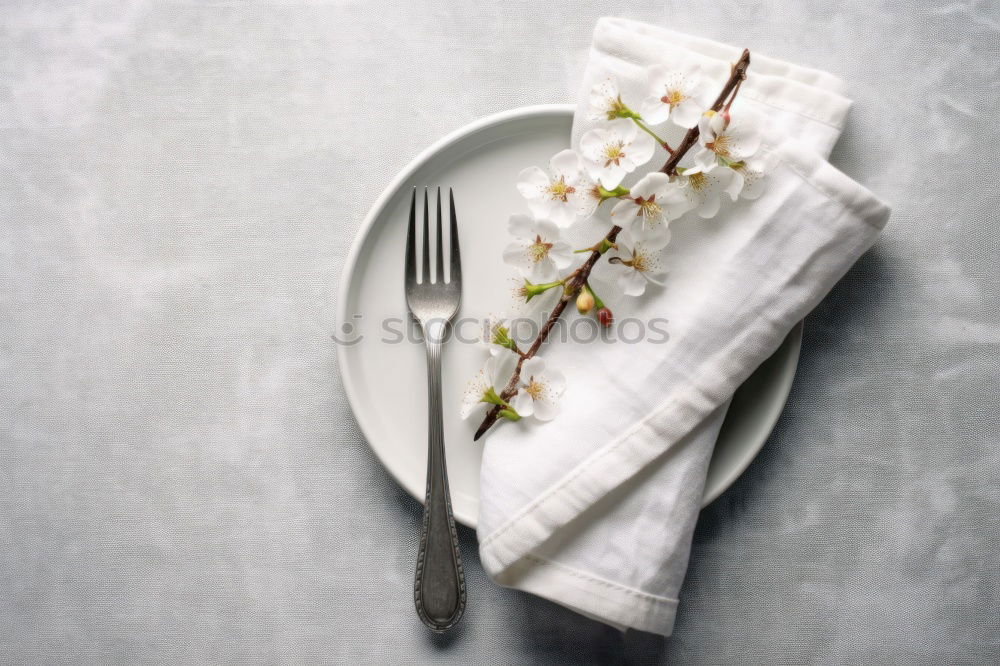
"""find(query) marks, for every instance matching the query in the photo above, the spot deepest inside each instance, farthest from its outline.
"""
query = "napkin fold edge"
(610, 603)
(817, 78)
(807, 92)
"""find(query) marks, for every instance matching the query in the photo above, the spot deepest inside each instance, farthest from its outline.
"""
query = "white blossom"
(536, 251)
(590, 199)
(725, 141)
(614, 150)
(605, 101)
(748, 178)
(486, 384)
(496, 335)
(704, 189)
(652, 202)
(639, 262)
(540, 390)
(675, 94)
(561, 194)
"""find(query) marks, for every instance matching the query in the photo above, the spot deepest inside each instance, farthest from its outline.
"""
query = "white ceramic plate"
(385, 381)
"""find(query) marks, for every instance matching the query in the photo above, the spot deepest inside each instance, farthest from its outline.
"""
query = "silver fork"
(439, 587)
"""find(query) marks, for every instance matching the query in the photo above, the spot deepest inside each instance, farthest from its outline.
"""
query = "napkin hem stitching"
(751, 93)
(875, 214)
(600, 581)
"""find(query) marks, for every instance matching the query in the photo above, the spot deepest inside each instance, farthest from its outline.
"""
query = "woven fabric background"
(181, 478)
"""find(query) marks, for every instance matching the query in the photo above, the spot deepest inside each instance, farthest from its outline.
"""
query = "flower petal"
(654, 240)
(705, 159)
(601, 97)
(565, 163)
(625, 209)
(555, 381)
(515, 255)
(686, 113)
(591, 142)
(468, 408)
(632, 283)
(561, 255)
(625, 129)
(532, 181)
(709, 205)
(656, 79)
(543, 270)
(735, 184)
(523, 404)
(586, 204)
(654, 111)
(753, 183)
(533, 366)
(744, 142)
(655, 277)
(521, 226)
(498, 370)
(652, 183)
(612, 176)
(473, 396)
(545, 410)
(563, 214)
(641, 149)
(546, 229)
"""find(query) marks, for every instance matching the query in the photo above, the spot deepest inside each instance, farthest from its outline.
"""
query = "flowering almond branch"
(673, 97)
(725, 98)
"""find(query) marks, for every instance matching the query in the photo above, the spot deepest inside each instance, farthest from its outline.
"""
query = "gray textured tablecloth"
(180, 476)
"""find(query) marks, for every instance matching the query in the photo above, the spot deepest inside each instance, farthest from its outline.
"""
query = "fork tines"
(455, 263)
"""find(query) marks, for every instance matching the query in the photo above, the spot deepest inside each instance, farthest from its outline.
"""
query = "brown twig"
(739, 73)
(579, 277)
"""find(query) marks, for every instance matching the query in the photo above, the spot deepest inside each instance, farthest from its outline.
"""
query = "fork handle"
(439, 587)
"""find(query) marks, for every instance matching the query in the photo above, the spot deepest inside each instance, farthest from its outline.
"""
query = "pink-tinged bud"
(584, 302)
(605, 317)
(726, 118)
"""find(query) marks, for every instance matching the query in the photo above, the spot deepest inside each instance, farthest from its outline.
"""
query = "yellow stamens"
(673, 98)
(539, 249)
(535, 389)
(613, 153)
(648, 208)
(559, 190)
(698, 181)
(720, 145)
(616, 107)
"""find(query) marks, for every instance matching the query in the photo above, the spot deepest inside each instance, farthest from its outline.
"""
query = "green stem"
(510, 415)
(645, 128)
(620, 191)
(532, 290)
(603, 246)
(506, 410)
(598, 303)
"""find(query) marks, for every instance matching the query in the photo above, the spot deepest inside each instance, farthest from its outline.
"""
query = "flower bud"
(584, 302)
(605, 317)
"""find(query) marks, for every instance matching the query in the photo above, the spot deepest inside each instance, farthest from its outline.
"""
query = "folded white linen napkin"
(595, 510)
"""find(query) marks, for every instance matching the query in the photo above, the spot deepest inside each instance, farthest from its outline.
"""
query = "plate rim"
(771, 419)
(378, 207)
